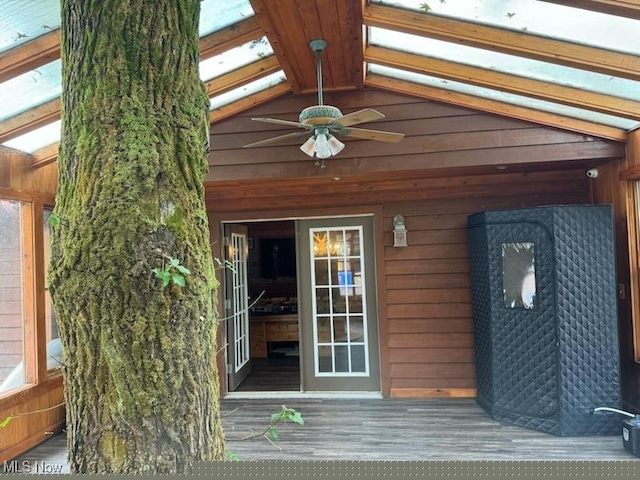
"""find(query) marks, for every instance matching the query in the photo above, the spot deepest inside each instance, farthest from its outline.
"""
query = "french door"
(237, 305)
(337, 303)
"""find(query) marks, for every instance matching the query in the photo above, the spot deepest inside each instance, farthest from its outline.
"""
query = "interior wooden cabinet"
(270, 329)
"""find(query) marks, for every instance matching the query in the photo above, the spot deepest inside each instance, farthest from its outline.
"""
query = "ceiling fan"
(324, 120)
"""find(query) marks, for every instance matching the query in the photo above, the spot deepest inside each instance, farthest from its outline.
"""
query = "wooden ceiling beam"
(31, 55)
(447, 70)
(495, 107)
(29, 120)
(230, 37)
(45, 156)
(620, 8)
(278, 44)
(505, 41)
(290, 26)
(242, 76)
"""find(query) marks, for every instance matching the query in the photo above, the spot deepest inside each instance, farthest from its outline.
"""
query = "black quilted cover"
(545, 368)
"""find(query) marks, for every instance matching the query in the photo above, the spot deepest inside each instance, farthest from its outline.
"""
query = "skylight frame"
(213, 18)
(549, 20)
(36, 139)
(505, 63)
(21, 22)
(504, 97)
(30, 89)
(235, 58)
(247, 90)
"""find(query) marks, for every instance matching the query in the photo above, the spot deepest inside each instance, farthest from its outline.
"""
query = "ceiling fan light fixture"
(322, 119)
(322, 146)
(335, 145)
(308, 147)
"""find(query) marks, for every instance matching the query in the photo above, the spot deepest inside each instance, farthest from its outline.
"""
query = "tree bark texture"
(140, 377)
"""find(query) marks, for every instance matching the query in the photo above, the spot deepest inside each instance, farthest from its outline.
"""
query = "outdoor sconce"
(399, 232)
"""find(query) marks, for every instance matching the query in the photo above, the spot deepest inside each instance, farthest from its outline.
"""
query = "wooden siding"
(439, 137)
(39, 414)
(616, 184)
(453, 162)
(19, 180)
(430, 326)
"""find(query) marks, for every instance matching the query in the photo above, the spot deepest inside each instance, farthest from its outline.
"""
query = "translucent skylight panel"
(504, 63)
(30, 89)
(218, 14)
(541, 18)
(36, 139)
(22, 21)
(248, 89)
(235, 58)
(504, 97)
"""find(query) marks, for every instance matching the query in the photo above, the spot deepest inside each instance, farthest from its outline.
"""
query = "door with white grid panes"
(237, 305)
(339, 334)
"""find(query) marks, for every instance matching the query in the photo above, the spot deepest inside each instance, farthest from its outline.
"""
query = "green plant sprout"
(231, 456)
(172, 273)
(271, 433)
(54, 220)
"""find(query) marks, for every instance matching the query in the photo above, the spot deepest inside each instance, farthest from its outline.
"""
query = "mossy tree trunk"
(140, 377)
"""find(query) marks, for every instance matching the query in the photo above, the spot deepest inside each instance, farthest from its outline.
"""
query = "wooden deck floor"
(273, 374)
(385, 429)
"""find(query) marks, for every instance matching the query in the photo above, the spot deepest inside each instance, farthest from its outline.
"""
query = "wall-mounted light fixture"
(399, 232)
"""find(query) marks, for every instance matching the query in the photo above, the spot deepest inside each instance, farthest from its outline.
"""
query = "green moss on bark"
(130, 193)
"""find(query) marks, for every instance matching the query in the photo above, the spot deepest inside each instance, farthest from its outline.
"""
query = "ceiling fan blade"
(390, 137)
(280, 122)
(361, 116)
(273, 139)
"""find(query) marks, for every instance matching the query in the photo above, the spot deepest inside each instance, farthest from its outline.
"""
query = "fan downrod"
(318, 45)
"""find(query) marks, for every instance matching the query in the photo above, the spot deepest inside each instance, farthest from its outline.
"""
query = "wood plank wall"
(37, 407)
(453, 162)
(18, 179)
(429, 316)
(437, 136)
(616, 184)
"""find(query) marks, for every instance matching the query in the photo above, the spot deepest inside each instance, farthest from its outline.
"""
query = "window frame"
(33, 282)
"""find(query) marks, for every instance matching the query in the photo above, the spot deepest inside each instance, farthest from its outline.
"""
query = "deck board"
(385, 429)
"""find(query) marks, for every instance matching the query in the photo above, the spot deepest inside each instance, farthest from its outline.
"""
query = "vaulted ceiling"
(568, 64)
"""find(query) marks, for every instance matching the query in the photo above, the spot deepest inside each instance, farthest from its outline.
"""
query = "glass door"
(237, 305)
(338, 308)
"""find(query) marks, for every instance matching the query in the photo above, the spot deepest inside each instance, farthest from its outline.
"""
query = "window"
(54, 349)
(518, 275)
(21, 308)
(340, 322)
(12, 332)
